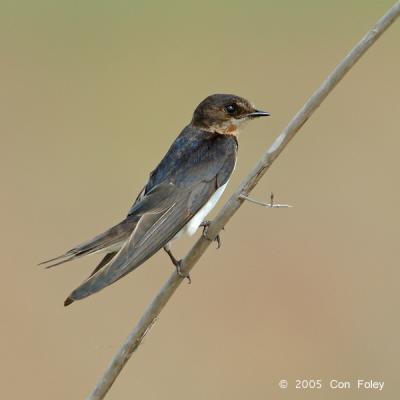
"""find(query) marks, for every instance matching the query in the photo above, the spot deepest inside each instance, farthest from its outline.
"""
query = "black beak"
(258, 113)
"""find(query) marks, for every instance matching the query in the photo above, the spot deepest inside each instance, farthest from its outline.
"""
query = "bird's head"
(224, 113)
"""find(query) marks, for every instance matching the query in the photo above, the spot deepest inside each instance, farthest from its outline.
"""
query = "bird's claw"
(178, 264)
(178, 267)
(205, 224)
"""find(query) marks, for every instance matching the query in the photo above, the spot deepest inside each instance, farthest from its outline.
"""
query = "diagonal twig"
(233, 204)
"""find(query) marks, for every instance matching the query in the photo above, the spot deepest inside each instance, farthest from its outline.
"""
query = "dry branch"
(154, 308)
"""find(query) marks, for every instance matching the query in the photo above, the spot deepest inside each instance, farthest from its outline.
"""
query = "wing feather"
(153, 231)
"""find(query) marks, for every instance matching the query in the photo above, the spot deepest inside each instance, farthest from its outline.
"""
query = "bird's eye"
(230, 109)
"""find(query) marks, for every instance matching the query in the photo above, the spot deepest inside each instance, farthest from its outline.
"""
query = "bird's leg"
(177, 263)
(205, 224)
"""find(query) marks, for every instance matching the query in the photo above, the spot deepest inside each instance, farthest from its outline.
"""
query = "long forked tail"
(107, 241)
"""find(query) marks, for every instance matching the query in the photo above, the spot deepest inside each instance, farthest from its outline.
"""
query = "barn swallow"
(179, 193)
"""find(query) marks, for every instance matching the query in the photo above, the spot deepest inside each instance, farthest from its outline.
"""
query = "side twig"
(272, 204)
(237, 199)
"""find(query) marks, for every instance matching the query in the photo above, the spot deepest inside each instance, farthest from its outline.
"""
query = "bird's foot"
(205, 224)
(178, 265)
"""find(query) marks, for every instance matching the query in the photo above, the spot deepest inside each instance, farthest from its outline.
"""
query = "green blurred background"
(93, 93)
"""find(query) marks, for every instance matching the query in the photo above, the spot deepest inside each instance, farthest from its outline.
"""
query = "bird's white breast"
(191, 227)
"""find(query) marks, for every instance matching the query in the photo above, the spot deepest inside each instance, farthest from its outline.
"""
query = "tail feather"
(59, 260)
(107, 258)
(68, 301)
(53, 259)
(111, 239)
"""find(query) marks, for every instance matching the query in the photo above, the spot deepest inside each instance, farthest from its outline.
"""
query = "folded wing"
(163, 213)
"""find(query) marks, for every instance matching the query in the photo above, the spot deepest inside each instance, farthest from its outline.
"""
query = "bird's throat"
(227, 129)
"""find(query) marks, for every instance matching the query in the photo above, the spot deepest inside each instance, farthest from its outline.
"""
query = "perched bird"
(179, 194)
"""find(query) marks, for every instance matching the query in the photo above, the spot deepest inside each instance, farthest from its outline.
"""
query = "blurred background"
(92, 95)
